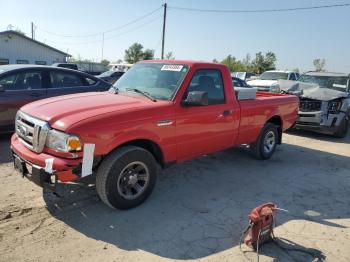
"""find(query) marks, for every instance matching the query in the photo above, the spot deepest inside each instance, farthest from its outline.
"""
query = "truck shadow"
(5, 152)
(318, 136)
(200, 207)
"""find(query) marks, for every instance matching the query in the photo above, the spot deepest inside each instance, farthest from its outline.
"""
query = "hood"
(63, 111)
(259, 82)
(309, 90)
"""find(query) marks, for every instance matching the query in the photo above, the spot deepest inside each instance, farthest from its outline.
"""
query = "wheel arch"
(277, 120)
(148, 145)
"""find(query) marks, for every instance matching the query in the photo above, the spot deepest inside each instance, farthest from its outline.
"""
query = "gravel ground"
(196, 212)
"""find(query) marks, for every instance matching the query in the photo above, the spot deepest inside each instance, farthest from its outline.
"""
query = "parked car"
(245, 76)
(237, 82)
(268, 81)
(324, 102)
(159, 113)
(110, 76)
(91, 68)
(21, 84)
(66, 65)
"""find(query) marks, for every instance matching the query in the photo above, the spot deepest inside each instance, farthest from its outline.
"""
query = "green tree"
(263, 63)
(233, 64)
(230, 62)
(135, 53)
(148, 54)
(170, 56)
(319, 64)
(247, 62)
(105, 62)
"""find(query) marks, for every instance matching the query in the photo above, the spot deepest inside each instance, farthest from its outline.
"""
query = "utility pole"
(163, 35)
(32, 24)
(103, 43)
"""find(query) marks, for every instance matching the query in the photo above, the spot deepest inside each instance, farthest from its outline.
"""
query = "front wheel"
(342, 129)
(126, 177)
(265, 145)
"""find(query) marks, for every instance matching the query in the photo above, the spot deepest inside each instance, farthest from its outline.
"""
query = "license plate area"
(33, 173)
(20, 166)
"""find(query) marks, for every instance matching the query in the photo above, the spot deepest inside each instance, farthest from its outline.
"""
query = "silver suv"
(324, 102)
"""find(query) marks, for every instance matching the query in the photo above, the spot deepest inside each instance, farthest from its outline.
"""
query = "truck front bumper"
(319, 121)
(32, 165)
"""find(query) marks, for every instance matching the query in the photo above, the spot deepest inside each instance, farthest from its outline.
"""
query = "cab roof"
(180, 62)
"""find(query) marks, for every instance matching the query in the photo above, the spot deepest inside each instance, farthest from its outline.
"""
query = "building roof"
(34, 41)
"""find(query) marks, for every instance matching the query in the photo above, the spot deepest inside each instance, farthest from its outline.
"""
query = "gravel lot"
(197, 210)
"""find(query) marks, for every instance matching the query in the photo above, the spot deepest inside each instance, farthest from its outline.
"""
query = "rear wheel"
(342, 128)
(265, 145)
(126, 177)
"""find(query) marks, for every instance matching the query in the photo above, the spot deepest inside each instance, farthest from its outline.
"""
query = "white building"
(16, 48)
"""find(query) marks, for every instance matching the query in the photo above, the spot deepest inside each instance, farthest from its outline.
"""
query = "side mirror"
(196, 98)
(2, 88)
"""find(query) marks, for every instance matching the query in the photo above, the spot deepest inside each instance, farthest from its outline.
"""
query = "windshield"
(158, 80)
(273, 76)
(333, 82)
(240, 75)
(107, 73)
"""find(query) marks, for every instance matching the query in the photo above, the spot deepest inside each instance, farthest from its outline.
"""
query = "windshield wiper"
(142, 93)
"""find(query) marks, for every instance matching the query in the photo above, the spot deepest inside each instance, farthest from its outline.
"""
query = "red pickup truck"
(158, 113)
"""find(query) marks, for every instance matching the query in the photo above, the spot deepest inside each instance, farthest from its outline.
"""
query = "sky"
(297, 38)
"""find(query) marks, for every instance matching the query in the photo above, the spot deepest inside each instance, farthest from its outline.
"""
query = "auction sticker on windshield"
(176, 68)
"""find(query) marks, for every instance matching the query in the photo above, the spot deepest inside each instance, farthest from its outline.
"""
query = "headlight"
(62, 142)
(334, 106)
(275, 88)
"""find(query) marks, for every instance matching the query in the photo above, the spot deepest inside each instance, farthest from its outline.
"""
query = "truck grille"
(309, 105)
(31, 131)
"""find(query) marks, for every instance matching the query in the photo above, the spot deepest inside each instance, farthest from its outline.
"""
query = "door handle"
(227, 112)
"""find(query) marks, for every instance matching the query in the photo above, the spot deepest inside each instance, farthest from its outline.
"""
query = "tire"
(268, 134)
(126, 177)
(342, 129)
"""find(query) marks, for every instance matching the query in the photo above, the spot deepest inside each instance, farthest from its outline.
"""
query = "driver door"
(204, 129)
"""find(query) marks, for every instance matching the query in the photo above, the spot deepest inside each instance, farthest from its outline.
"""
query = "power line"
(135, 28)
(103, 32)
(108, 38)
(256, 10)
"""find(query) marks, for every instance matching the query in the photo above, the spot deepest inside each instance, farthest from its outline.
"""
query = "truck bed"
(255, 112)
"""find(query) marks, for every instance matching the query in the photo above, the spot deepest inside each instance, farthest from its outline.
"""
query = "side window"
(244, 84)
(292, 76)
(21, 61)
(89, 81)
(117, 74)
(64, 79)
(236, 82)
(248, 75)
(8, 81)
(40, 62)
(297, 75)
(22, 81)
(210, 81)
(4, 61)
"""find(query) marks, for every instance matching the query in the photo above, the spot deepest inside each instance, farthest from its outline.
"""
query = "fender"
(126, 137)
